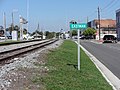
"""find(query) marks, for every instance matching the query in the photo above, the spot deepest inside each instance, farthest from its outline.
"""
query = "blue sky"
(53, 15)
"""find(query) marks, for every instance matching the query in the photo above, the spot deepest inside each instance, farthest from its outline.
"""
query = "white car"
(2, 37)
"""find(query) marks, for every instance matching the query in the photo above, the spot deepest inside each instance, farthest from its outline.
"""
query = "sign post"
(78, 50)
(78, 27)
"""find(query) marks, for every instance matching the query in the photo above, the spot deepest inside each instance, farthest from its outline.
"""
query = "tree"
(89, 32)
(57, 34)
(24, 31)
(74, 33)
(11, 28)
(49, 34)
(16, 28)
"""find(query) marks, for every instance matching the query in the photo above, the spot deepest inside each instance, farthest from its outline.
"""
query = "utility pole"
(27, 17)
(99, 21)
(21, 28)
(21, 32)
(12, 22)
(4, 22)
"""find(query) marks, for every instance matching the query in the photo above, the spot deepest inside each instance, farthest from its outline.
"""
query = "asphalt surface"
(107, 53)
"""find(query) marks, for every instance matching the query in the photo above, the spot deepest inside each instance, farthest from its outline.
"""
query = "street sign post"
(78, 27)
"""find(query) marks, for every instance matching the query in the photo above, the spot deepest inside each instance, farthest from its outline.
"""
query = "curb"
(106, 73)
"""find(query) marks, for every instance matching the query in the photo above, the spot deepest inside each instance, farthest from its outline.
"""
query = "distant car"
(109, 38)
(74, 37)
(9, 37)
(2, 37)
(82, 37)
(86, 37)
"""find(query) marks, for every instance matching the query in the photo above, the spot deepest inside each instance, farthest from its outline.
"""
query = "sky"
(54, 15)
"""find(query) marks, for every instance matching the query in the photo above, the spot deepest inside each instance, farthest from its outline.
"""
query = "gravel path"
(18, 74)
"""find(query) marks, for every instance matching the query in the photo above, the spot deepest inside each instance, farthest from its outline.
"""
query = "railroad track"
(18, 51)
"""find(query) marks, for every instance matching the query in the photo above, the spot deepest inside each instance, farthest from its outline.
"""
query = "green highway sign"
(78, 26)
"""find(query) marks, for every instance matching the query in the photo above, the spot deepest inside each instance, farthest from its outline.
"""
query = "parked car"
(86, 37)
(9, 37)
(109, 38)
(74, 37)
(2, 37)
(82, 37)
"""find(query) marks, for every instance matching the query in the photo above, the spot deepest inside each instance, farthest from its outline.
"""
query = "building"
(37, 36)
(107, 26)
(118, 23)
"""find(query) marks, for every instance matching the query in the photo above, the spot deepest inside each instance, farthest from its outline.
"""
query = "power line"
(112, 2)
(108, 5)
(110, 10)
(90, 15)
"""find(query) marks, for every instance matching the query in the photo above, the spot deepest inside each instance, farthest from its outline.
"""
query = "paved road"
(108, 54)
(2, 40)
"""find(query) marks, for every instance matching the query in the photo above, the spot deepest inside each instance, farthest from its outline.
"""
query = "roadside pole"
(78, 27)
(22, 21)
(4, 22)
(78, 50)
(21, 32)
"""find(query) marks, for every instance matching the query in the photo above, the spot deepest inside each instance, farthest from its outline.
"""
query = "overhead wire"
(108, 6)
(109, 10)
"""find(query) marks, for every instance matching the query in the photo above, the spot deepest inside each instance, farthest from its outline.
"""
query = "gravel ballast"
(18, 74)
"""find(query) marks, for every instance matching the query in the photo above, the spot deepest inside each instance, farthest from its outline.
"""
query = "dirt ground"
(22, 79)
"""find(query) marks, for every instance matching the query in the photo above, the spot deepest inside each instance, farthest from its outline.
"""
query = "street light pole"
(4, 22)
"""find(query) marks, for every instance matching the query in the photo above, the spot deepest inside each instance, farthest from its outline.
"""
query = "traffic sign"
(78, 26)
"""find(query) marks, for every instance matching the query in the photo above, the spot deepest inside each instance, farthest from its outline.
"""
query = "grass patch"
(65, 75)
(8, 42)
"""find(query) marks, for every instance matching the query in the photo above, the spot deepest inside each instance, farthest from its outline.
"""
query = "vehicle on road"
(9, 37)
(86, 37)
(109, 38)
(2, 37)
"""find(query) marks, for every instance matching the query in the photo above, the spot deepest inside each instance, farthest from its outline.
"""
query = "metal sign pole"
(20, 21)
(78, 50)
(78, 26)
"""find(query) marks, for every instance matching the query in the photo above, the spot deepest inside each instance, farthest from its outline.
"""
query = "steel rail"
(15, 52)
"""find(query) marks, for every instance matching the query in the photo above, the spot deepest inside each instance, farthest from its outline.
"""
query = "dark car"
(109, 38)
(9, 37)
(86, 37)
